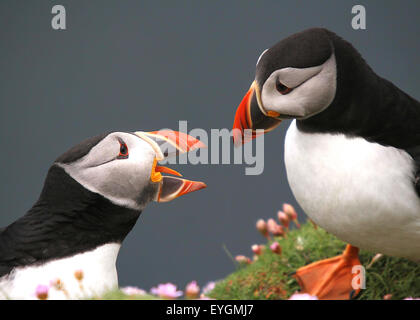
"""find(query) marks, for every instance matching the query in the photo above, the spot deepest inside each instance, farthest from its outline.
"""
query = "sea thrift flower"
(78, 274)
(243, 259)
(192, 290)
(166, 291)
(131, 291)
(274, 228)
(283, 218)
(257, 249)
(41, 292)
(275, 247)
(303, 296)
(262, 227)
(374, 259)
(209, 287)
(291, 212)
(56, 284)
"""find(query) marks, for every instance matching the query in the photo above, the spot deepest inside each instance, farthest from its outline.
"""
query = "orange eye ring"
(123, 151)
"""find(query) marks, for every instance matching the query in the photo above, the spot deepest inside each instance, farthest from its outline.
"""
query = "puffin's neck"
(67, 219)
(365, 104)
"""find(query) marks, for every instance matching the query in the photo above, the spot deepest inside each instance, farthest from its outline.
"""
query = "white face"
(303, 92)
(121, 179)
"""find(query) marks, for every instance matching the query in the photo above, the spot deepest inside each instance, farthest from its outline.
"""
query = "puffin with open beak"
(352, 151)
(92, 197)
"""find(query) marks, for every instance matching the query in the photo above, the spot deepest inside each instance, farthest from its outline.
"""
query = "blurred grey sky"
(144, 65)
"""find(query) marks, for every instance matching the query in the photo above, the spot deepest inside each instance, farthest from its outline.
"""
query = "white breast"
(99, 275)
(361, 192)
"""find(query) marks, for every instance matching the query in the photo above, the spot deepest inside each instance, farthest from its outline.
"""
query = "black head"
(93, 195)
(309, 48)
(301, 77)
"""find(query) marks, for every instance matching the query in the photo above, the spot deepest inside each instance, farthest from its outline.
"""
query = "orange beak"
(242, 120)
(171, 187)
(249, 118)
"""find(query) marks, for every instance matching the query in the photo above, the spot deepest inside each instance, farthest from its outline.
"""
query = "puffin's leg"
(330, 278)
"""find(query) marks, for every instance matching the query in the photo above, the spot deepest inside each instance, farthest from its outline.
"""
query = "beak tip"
(198, 185)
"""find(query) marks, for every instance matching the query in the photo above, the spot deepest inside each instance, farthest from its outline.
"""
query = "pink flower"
(209, 287)
(274, 228)
(302, 296)
(291, 212)
(166, 291)
(411, 298)
(131, 291)
(204, 297)
(262, 227)
(243, 259)
(275, 247)
(192, 290)
(56, 283)
(257, 249)
(41, 292)
(283, 218)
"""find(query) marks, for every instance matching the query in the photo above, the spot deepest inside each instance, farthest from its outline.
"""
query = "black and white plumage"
(92, 197)
(352, 152)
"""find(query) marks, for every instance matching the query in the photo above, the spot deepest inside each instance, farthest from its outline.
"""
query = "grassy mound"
(268, 277)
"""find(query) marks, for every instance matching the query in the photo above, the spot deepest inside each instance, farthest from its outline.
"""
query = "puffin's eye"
(282, 88)
(123, 151)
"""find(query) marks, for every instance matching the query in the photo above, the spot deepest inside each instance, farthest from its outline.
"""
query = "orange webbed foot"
(330, 279)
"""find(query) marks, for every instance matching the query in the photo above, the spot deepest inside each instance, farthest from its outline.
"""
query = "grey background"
(144, 65)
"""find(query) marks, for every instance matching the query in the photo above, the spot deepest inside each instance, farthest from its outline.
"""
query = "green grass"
(269, 276)
(119, 295)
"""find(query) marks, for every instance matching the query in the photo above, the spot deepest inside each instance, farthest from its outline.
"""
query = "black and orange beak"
(165, 144)
(250, 116)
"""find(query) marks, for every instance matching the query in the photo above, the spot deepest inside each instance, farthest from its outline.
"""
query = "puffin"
(351, 152)
(92, 197)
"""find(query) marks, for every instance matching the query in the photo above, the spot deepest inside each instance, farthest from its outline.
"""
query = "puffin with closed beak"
(352, 151)
(92, 197)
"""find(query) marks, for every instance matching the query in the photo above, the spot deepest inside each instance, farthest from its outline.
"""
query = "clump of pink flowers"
(41, 292)
(133, 291)
(166, 291)
(209, 287)
(192, 290)
(243, 259)
(271, 230)
(285, 216)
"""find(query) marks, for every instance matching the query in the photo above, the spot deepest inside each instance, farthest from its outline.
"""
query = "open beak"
(251, 116)
(167, 143)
